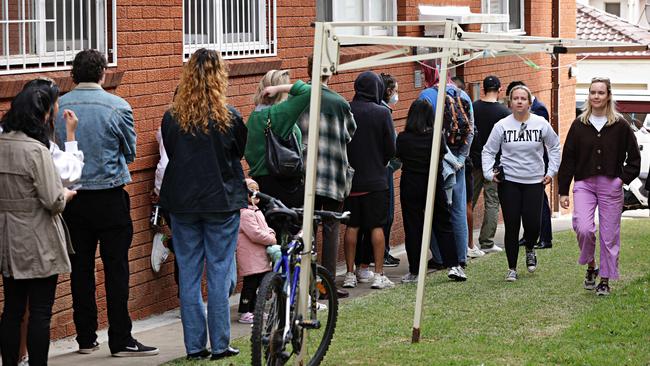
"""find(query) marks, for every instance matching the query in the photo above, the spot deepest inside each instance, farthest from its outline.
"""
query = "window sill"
(11, 85)
(253, 66)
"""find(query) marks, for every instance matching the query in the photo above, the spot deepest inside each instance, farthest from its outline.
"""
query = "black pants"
(291, 191)
(248, 294)
(170, 246)
(103, 216)
(413, 194)
(40, 292)
(330, 251)
(520, 203)
(546, 230)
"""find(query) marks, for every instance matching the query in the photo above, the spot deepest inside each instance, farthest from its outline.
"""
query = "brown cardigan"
(612, 152)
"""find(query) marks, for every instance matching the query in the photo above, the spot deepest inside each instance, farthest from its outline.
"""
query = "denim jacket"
(105, 134)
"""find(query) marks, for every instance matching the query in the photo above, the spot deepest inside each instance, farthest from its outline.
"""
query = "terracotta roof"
(597, 25)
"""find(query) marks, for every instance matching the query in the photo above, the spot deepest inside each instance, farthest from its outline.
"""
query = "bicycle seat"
(276, 214)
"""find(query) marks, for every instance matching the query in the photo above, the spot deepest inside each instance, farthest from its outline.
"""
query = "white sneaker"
(350, 280)
(493, 249)
(381, 282)
(457, 274)
(364, 275)
(159, 252)
(475, 252)
(409, 278)
(511, 276)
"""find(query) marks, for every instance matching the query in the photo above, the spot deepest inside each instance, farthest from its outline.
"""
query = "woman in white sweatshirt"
(520, 138)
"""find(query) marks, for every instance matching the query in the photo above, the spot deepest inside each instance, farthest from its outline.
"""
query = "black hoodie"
(373, 143)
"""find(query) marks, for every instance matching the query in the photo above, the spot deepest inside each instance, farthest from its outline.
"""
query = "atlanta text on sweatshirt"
(522, 149)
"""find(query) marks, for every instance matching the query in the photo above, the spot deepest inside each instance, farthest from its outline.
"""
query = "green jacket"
(284, 117)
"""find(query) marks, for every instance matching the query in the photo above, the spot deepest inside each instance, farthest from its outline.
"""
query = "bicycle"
(277, 327)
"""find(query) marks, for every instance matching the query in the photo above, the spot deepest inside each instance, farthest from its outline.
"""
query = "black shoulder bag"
(283, 156)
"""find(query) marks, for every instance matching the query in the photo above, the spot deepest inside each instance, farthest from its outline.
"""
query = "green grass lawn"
(545, 318)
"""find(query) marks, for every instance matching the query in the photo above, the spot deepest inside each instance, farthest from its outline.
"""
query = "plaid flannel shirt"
(336, 128)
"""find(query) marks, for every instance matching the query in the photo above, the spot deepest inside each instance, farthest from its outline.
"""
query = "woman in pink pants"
(600, 154)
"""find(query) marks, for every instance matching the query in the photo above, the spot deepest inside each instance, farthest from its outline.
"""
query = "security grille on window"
(42, 35)
(236, 28)
(514, 9)
(359, 10)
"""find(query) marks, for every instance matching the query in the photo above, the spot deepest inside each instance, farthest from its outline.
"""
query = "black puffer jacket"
(204, 174)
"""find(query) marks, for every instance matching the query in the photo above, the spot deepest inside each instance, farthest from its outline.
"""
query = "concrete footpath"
(165, 331)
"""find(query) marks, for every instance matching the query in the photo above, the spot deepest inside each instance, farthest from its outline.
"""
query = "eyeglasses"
(522, 128)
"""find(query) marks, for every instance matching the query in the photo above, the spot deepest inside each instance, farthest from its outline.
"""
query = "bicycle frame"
(290, 279)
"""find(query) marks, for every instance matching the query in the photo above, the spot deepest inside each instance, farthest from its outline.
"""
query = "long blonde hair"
(201, 93)
(272, 78)
(610, 111)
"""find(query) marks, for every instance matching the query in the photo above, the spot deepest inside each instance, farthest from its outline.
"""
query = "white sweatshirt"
(522, 158)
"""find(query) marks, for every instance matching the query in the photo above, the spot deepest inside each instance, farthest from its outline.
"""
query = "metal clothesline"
(456, 45)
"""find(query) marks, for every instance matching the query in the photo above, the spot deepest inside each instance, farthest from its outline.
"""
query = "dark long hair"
(27, 114)
(48, 86)
(420, 117)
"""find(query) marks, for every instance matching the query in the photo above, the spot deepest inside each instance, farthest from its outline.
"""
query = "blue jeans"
(206, 240)
(458, 221)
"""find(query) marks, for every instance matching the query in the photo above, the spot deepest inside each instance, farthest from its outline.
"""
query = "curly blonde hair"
(201, 93)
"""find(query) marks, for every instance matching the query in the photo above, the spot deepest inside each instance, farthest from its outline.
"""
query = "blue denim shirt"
(105, 134)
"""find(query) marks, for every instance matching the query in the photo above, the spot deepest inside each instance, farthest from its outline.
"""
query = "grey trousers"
(491, 207)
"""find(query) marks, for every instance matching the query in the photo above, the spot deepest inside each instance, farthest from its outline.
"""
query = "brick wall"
(150, 57)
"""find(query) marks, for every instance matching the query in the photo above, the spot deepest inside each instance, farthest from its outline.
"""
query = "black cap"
(491, 83)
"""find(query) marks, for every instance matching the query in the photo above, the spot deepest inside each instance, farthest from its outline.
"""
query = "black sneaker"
(431, 264)
(602, 289)
(230, 351)
(544, 245)
(389, 261)
(393, 258)
(590, 278)
(531, 261)
(202, 355)
(136, 349)
(522, 242)
(84, 350)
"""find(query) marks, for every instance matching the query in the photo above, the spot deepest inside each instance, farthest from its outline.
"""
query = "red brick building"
(147, 44)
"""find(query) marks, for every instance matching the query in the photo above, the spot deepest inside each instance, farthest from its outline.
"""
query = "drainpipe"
(555, 97)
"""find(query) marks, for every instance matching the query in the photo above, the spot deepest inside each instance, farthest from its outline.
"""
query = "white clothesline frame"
(456, 45)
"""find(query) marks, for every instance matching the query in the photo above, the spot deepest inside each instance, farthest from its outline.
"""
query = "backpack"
(456, 120)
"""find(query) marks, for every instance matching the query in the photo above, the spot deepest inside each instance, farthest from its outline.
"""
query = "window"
(613, 8)
(40, 35)
(515, 11)
(359, 10)
(236, 28)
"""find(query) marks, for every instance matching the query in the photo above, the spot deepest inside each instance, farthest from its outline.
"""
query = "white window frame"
(391, 11)
(505, 6)
(260, 40)
(56, 59)
(620, 7)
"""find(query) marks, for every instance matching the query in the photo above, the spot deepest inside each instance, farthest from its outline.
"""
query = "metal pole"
(431, 188)
(310, 178)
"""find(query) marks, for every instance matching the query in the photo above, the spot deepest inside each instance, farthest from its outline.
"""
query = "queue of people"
(77, 200)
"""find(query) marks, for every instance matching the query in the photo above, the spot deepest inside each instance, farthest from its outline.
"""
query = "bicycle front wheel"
(268, 322)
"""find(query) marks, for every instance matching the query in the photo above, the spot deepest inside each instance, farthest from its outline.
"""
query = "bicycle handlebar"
(318, 214)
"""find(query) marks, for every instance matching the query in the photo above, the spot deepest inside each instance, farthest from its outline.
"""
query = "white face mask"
(393, 99)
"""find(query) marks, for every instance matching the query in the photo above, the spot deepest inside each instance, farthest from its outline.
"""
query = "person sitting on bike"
(255, 236)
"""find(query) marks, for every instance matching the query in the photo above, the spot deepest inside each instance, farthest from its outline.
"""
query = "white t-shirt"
(598, 122)
(522, 149)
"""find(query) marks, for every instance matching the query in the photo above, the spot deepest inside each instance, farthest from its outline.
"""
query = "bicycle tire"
(323, 290)
(270, 301)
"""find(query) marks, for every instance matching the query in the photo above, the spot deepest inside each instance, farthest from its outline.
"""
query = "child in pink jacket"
(252, 261)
